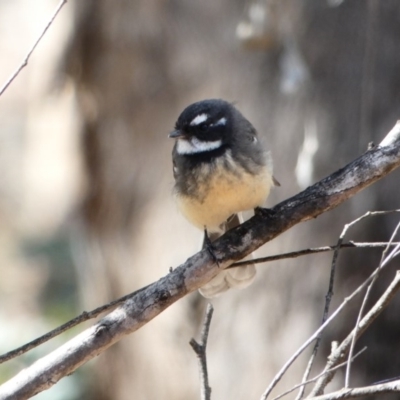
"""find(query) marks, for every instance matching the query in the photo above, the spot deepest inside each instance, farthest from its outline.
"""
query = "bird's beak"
(176, 134)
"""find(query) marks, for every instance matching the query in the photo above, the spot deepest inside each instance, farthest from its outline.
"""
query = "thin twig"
(25, 62)
(293, 358)
(318, 376)
(328, 298)
(391, 387)
(84, 316)
(340, 351)
(200, 349)
(365, 299)
(369, 62)
(329, 294)
(313, 250)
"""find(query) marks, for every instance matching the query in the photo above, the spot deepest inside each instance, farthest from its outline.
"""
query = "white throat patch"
(194, 146)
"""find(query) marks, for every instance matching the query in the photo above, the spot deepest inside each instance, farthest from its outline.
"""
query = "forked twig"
(293, 358)
(328, 376)
(341, 351)
(318, 376)
(329, 294)
(384, 260)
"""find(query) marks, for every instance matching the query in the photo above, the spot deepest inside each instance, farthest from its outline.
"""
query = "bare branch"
(339, 353)
(365, 299)
(304, 383)
(84, 316)
(328, 299)
(314, 250)
(26, 59)
(344, 393)
(201, 268)
(329, 294)
(327, 376)
(315, 335)
(87, 315)
(200, 349)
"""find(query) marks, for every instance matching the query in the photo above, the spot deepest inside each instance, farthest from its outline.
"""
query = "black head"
(207, 121)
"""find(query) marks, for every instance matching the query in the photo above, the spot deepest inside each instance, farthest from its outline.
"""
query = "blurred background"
(85, 198)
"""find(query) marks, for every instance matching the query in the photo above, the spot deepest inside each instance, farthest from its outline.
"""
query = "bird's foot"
(207, 244)
(264, 212)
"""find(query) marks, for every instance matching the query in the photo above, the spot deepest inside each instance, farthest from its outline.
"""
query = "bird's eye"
(203, 127)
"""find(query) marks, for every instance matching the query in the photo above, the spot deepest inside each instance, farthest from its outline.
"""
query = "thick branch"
(201, 268)
(87, 315)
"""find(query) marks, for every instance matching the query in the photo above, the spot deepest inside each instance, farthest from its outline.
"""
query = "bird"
(220, 169)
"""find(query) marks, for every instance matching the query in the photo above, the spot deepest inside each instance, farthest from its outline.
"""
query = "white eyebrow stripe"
(199, 119)
(195, 146)
(221, 121)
